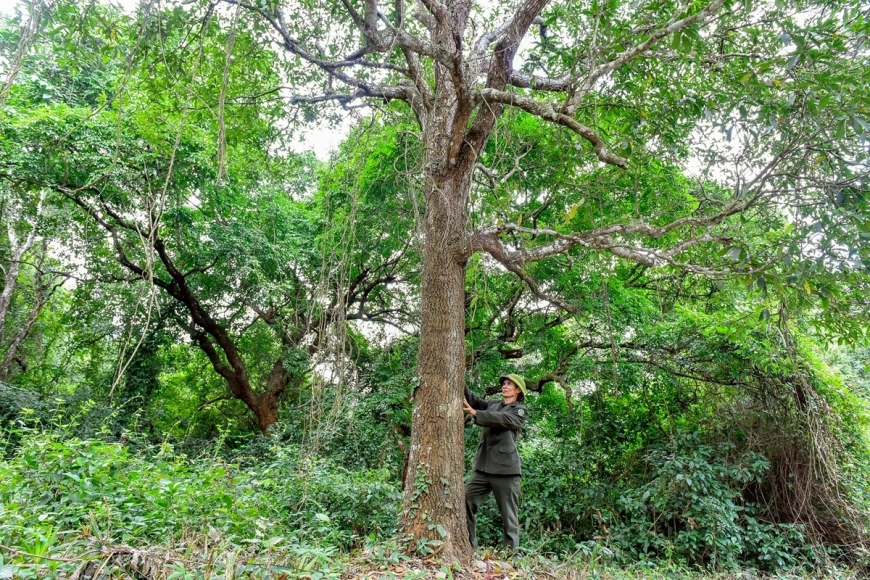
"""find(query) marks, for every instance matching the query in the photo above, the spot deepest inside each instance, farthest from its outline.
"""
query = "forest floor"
(488, 566)
(216, 562)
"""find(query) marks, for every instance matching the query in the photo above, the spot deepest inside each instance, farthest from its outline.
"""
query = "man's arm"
(506, 418)
(474, 401)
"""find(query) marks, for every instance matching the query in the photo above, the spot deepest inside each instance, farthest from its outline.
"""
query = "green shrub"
(681, 500)
(100, 488)
(692, 509)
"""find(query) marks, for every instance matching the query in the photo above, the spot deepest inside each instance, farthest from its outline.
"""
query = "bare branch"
(424, 16)
(437, 10)
(399, 6)
(370, 20)
(492, 244)
(341, 98)
(488, 38)
(506, 177)
(500, 68)
(332, 68)
(538, 83)
(604, 239)
(513, 33)
(357, 19)
(423, 101)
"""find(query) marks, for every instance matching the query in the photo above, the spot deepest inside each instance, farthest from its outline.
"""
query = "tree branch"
(547, 112)
(379, 44)
(437, 10)
(528, 81)
(500, 68)
(603, 239)
(639, 49)
(492, 245)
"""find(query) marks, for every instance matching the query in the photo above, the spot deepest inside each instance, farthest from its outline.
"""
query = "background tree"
(28, 279)
(239, 257)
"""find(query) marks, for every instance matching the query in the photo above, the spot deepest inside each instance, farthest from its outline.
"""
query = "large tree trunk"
(267, 412)
(434, 506)
(434, 500)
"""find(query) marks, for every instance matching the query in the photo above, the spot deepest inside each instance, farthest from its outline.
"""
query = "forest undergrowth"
(110, 506)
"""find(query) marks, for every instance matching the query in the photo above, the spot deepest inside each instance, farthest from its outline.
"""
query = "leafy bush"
(692, 509)
(104, 489)
(682, 500)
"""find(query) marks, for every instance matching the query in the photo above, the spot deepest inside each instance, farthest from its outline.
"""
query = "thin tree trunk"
(16, 250)
(17, 253)
(42, 292)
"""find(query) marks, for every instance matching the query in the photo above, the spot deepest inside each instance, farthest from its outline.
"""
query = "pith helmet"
(518, 381)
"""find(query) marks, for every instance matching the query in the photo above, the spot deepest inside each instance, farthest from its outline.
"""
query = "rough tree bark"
(433, 506)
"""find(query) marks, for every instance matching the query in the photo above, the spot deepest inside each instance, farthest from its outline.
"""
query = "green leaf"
(841, 130)
(735, 253)
(572, 211)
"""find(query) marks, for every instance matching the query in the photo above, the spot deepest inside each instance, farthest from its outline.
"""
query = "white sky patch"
(7, 7)
(583, 388)
(323, 138)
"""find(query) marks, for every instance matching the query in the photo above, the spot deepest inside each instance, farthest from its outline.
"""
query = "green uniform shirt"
(497, 452)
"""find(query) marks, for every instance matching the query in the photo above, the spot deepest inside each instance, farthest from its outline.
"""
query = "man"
(497, 463)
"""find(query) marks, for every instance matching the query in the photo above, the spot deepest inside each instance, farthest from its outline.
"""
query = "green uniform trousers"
(506, 489)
